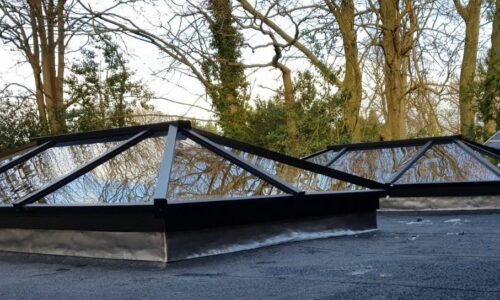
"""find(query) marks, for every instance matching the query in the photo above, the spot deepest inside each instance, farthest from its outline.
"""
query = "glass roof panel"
(323, 158)
(200, 174)
(446, 163)
(45, 167)
(375, 164)
(8, 158)
(129, 177)
(494, 144)
(494, 141)
(494, 160)
(302, 179)
(496, 136)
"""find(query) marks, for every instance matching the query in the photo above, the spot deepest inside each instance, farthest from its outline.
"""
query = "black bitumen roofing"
(411, 256)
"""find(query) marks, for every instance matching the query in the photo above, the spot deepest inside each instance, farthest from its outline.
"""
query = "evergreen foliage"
(101, 90)
(487, 102)
(101, 93)
(18, 120)
(318, 114)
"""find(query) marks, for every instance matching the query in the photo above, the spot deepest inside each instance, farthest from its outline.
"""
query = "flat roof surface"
(452, 256)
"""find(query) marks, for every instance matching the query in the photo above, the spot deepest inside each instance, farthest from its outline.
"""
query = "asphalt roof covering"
(429, 160)
(411, 256)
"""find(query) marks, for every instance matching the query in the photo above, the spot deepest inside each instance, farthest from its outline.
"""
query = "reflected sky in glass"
(446, 163)
(199, 174)
(129, 177)
(302, 179)
(375, 164)
(45, 167)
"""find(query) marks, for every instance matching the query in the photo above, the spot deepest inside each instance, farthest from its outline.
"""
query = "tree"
(344, 14)
(388, 62)
(470, 14)
(18, 119)
(398, 26)
(352, 82)
(317, 112)
(215, 64)
(38, 28)
(228, 91)
(489, 101)
(103, 94)
(286, 75)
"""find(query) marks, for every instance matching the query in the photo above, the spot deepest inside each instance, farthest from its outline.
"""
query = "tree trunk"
(396, 44)
(290, 108)
(492, 84)
(351, 85)
(471, 15)
(227, 98)
(49, 80)
(61, 37)
(34, 61)
(40, 100)
(353, 88)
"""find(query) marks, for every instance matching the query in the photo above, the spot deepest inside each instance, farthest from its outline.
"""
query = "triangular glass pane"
(200, 174)
(45, 167)
(129, 177)
(446, 163)
(323, 158)
(302, 179)
(375, 164)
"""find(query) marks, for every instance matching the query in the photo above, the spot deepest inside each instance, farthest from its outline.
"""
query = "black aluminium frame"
(163, 214)
(428, 189)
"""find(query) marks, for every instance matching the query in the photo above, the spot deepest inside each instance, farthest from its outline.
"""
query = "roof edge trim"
(394, 143)
(113, 132)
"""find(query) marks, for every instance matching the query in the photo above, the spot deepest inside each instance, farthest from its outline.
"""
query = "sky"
(145, 60)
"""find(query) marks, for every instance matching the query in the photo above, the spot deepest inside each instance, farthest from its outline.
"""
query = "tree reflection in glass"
(323, 158)
(375, 164)
(494, 160)
(302, 179)
(446, 163)
(8, 158)
(129, 177)
(45, 167)
(199, 174)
